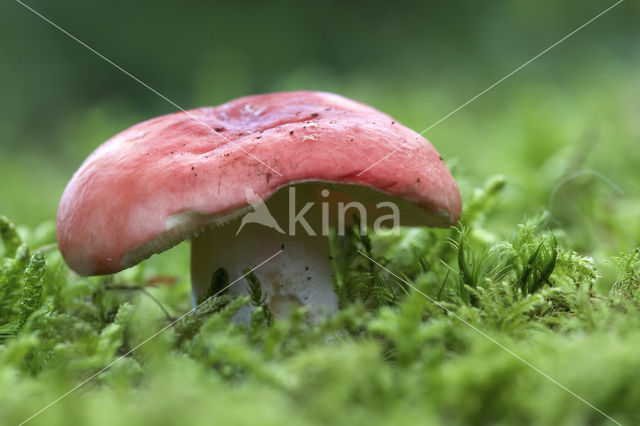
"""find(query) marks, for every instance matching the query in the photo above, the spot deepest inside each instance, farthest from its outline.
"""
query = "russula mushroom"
(204, 174)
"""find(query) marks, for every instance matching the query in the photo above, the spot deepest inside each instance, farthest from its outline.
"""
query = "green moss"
(390, 355)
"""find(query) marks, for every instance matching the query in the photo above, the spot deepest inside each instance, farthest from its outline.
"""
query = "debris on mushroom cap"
(156, 183)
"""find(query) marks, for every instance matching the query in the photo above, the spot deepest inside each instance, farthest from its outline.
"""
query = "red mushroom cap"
(118, 207)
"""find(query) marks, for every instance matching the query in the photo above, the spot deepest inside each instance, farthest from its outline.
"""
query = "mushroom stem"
(299, 276)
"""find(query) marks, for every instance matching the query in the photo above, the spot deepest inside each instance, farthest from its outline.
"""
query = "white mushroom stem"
(301, 275)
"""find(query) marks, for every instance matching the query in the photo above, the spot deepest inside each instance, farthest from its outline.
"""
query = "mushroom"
(247, 179)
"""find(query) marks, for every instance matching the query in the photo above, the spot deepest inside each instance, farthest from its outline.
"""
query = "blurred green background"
(575, 108)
